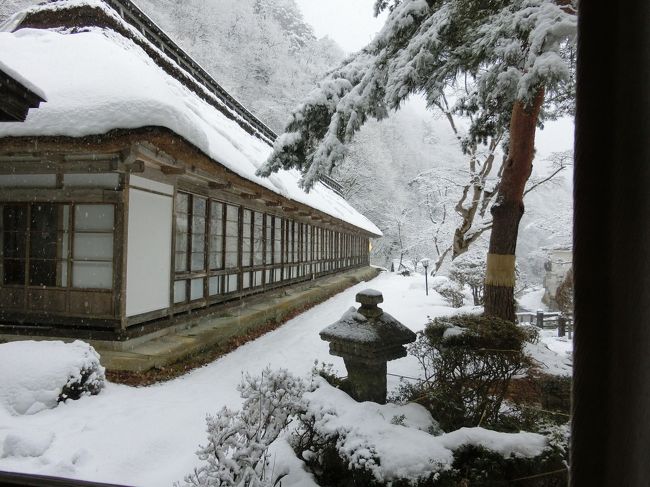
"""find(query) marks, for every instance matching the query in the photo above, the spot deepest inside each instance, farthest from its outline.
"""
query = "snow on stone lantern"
(366, 339)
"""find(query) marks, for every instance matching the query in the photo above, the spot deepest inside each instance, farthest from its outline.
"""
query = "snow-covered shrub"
(326, 455)
(451, 291)
(326, 371)
(37, 375)
(437, 281)
(469, 270)
(237, 450)
(467, 362)
(347, 443)
(477, 465)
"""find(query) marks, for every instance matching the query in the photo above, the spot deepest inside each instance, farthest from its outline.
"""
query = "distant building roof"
(17, 95)
(105, 73)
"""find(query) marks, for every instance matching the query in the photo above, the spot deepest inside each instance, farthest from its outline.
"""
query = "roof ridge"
(133, 15)
(129, 20)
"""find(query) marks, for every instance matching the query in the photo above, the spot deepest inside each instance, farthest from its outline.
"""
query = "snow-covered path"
(147, 436)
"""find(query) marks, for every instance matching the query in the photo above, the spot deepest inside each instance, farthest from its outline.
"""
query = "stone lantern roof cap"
(379, 332)
(369, 297)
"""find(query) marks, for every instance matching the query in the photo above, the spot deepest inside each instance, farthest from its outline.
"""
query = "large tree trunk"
(508, 210)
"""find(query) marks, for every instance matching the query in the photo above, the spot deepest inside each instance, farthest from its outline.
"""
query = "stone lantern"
(366, 339)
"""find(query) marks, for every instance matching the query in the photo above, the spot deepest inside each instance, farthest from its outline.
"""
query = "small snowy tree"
(237, 450)
(469, 270)
(517, 56)
(451, 291)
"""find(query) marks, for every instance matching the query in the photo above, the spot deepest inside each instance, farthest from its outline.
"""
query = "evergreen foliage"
(468, 362)
(89, 381)
(505, 49)
(333, 466)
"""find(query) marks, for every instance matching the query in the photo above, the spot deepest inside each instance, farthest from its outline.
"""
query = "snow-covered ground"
(147, 436)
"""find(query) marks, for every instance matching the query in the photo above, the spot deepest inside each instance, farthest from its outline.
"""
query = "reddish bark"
(509, 206)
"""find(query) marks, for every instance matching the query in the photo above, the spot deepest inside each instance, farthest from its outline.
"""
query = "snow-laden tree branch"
(505, 49)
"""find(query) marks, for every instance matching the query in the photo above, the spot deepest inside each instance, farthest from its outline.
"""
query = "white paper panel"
(148, 252)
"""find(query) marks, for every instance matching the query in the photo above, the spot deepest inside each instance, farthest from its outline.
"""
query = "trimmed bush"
(468, 362)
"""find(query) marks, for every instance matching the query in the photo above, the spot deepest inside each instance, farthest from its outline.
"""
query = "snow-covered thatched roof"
(110, 76)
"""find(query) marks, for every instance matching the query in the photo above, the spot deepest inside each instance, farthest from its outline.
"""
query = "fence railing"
(548, 319)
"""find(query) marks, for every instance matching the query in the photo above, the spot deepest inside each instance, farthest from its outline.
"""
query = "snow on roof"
(4, 67)
(97, 80)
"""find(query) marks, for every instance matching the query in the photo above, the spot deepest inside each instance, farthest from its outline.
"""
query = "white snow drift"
(33, 374)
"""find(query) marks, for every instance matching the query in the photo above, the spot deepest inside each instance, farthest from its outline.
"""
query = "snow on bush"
(451, 291)
(237, 450)
(339, 440)
(37, 375)
(469, 270)
(467, 362)
(389, 443)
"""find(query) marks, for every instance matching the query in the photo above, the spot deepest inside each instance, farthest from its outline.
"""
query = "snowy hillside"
(261, 52)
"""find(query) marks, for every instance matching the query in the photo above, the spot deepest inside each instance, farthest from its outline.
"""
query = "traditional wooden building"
(130, 198)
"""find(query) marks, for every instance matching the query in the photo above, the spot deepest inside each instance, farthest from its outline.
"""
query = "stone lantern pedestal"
(366, 339)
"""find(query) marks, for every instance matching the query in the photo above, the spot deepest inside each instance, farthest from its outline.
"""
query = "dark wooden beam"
(216, 185)
(273, 203)
(49, 165)
(15, 479)
(289, 209)
(249, 196)
(168, 170)
(610, 436)
(94, 195)
(134, 167)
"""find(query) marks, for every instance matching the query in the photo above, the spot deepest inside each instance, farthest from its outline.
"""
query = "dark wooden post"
(561, 326)
(610, 437)
(540, 319)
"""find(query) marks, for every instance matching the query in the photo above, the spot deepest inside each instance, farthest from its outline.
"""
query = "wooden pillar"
(611, 391)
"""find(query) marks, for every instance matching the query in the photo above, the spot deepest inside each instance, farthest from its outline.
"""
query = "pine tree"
(517, 56)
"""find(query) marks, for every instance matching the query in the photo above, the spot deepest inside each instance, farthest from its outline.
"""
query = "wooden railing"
(548, 319)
